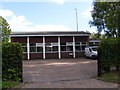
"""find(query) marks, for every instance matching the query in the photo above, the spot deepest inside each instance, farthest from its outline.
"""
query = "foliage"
(110, 77)
(4, 30)
(9, 84)
(95, 36)
(12, 61)
(105, 17)
(109, 54)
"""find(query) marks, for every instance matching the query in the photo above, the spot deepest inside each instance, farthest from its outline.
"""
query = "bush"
(109, 51)
(12, 61)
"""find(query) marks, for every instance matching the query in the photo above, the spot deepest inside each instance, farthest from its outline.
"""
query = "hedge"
(109, 54)
(12, 61)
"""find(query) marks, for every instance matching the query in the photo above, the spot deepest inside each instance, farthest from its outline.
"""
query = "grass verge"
(112, 76)
(9, 84)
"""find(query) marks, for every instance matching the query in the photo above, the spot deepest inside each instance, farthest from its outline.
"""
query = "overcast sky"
(52, 15)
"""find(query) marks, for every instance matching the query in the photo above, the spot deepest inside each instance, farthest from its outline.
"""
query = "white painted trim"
(73, 46)
(52, 35)
(28, 48)
(43, 47)
(59, 49)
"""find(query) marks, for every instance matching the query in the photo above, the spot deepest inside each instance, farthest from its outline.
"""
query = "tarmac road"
(62, 73)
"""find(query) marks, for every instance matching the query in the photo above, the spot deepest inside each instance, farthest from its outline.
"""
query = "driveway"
(63, 73)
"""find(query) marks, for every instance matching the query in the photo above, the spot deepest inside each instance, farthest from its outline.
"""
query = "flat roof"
(21, 34)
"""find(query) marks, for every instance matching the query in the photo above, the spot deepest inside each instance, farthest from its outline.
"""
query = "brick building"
(43, 45)
(94, 42)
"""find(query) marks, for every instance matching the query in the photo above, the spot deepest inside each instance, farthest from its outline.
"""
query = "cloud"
(87, 13)
(20, 23)
(52, 28)
(58, 1)
(6, 13)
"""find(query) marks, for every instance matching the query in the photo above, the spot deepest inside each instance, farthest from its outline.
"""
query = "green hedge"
(12, 61)
(109, 54)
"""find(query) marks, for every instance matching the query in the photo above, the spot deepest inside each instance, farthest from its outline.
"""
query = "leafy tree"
(4, 30)
(106, 16)
(95, 36)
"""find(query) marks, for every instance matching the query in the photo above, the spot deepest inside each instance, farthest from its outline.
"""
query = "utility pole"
(76, 19)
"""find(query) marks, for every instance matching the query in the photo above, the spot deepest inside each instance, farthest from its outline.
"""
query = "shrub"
(109, 51)
(12, 61)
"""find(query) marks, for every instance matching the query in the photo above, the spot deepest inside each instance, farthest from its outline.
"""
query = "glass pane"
(48, 44)
(83, 43)
(83, 48)
(77, 43)
(24, 49)
(94, 49)
(39, 44)
(63, 44)
(48, 49)
(54, 44)
(39, 49)
(69, 43)
(63, 48)
(69, 48)
(55, 48)
(32, 49)
(77, 48)
(32, 44)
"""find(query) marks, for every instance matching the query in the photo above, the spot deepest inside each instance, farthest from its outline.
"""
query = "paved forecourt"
(62, 73)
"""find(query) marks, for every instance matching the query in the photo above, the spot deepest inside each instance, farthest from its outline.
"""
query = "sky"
(52, 15)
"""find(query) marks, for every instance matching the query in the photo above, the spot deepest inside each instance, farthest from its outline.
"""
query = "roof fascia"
(50, 35)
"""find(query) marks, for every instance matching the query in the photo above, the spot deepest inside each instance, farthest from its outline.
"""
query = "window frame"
(66, 45)
(36, 46)
(51, 45)
(24, 46)
(80, 45)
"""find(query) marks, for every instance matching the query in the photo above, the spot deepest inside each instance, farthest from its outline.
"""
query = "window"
(63, 48)
(68, 46)
(83, 45)
(39, 49)
(80, 46)
(77, 46)
(24, 47)
(83, 48)
(51, 47)
(32, 47)
(90, 50)
(36, 48)
(55, 48)
(63, 44)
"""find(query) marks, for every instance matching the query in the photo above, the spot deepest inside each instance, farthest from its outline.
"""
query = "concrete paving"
(63, 73)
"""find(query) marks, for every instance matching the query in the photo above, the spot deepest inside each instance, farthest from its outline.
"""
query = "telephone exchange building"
(44, 45)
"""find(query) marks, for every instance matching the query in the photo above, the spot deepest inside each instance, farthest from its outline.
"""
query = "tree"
(105, 17)
(95, 36)
(4, 30)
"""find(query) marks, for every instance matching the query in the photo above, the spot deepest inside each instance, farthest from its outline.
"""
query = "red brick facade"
(49, 40)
